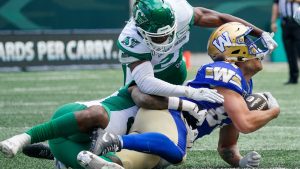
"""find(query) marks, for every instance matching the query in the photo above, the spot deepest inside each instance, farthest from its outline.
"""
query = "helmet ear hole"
(236, 51)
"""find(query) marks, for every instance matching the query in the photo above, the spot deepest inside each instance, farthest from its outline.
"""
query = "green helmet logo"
(155, 19)
(140, 17)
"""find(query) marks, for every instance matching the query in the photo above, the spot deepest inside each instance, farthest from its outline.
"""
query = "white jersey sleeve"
(144, 78)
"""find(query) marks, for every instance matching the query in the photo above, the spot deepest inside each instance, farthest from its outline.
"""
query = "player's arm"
(227, 146)
(229, 151)
(275, 13)
(209, 18)
(159, 103)
(143, 75)
(148, 101)
(244, 120)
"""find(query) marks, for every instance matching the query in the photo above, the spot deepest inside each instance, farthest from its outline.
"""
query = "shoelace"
(111, 148)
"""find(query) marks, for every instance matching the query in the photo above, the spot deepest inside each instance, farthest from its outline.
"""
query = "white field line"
(2, 104)
(14, 128)
(31, 112)
(69, 89)
(268, 138)
(101, 92)
(57, 77)
(34, 89)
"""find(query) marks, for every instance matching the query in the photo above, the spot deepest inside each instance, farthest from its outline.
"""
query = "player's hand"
(274, 27)
(297, 16)
(204, 94)
(194, 110)
(250, 160)
(272, 102)
(270, 42)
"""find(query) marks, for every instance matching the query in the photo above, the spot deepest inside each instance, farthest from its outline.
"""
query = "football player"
(237, 58)
(151, 45)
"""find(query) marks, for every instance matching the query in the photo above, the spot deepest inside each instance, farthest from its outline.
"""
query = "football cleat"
(89, 160)
(11, 146)
(104, 142)
(38, 150)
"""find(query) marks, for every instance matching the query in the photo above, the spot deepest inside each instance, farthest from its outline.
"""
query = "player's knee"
(175, 153)
(93, 117)
(179, 157)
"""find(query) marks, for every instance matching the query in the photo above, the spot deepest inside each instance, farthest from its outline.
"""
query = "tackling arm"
(159, 103)
(209, 18)
(143, 75)
(244, 120)
(148, 101)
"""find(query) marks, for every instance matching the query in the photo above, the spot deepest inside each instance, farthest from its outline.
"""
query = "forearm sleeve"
(143, 75)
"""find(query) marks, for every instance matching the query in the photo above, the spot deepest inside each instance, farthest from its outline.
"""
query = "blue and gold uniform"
(217, 74)
(158, 139)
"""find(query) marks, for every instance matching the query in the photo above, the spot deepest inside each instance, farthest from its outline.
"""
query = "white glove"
(270, 42)
(272, 102)
(297, 16)
(184, 105)
(193, 110)
(204, 94)
(250, 160)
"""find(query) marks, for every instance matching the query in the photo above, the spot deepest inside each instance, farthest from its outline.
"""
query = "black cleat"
(38, 150)
(104, 142)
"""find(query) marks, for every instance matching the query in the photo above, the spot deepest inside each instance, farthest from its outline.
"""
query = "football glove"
(203, 94)
(192, 108)
(272, 102)
(250, 160)
(270, 42)
(297, 16)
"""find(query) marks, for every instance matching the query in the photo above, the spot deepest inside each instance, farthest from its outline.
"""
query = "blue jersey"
(222, 74)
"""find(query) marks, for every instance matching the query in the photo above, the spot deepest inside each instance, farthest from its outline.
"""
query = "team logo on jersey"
(221, 41)
(130, 42)
(223, 74)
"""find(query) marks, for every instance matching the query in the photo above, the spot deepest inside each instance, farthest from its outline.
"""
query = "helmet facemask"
(256, 46)
(166, 32)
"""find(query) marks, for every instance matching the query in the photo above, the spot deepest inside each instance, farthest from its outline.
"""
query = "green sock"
(106, 158)
(110, 157)
(62, 126)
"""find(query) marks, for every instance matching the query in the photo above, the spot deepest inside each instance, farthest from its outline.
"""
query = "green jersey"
(133, 48)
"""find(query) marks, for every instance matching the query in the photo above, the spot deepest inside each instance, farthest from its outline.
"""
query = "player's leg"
(66, 151)
(122, 110)
(72, 118)
(89, 160)
(137, 160)
(164, 135)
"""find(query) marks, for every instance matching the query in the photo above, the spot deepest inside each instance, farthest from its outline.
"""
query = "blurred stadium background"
(65, 35)
(42, 35)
